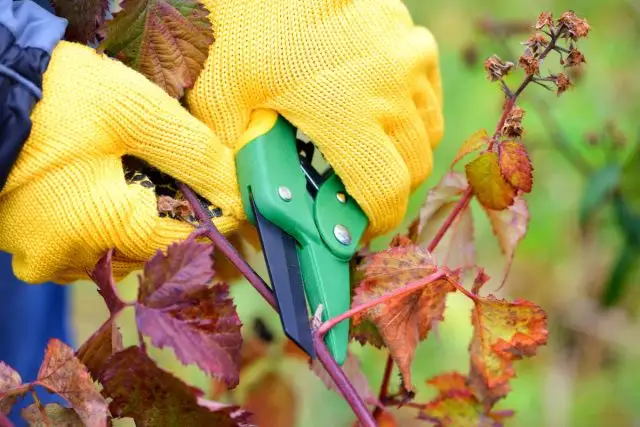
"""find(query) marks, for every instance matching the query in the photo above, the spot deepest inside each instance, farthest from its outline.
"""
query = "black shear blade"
(281, 257)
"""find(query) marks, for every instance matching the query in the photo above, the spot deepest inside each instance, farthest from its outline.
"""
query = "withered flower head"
(529, 62)
(536, 42)
(573, 27)
(561, 81)
(512, 127)
(575, 57)
(496, 68)
(544, 20)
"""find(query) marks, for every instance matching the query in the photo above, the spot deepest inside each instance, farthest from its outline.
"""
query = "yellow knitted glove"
(66, 201)
(358, 77)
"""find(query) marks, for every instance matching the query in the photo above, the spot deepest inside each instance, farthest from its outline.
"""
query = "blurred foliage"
(582, 272)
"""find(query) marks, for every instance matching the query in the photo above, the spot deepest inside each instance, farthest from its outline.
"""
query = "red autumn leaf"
(272, 401)
(177, 307)
(166, 40)
(103, 278)
(510, 226)
(84, 18)
(504, 331)
(95, 351)
(165, 278)
(405, 319)
(9, 380)
(159, 396)
(62, 373)
(515, 165)
(489, 185)
(351, 368)
(202, 327)
(476, 141)
(57, 415)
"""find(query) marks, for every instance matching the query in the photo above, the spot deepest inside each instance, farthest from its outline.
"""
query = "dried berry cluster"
(549, 32)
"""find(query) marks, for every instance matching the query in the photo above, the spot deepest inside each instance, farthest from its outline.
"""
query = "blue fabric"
(30, 315)
(31, 25)
(28, 35)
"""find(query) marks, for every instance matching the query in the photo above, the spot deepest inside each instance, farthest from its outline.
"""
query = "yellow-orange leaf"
(515, 165)
(406, 319)
(456, 405)
(504, 331)
(485, 178)
(449, 381)
(476, 141)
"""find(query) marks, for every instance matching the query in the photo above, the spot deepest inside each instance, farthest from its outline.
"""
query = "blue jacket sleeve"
(28, 35)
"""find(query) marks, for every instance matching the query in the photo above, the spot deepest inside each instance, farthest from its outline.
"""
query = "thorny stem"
(36, 400)
(459, 207)
(337, 375)
(220, 242)
(511, 97)
(346, 388)
(341, 381)
(570, 154)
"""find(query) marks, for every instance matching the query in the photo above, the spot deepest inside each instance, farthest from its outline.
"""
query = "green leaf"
(597, 191)
(165, 40)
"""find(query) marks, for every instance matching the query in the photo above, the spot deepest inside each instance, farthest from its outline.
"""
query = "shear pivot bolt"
(341, 197)
(285, 193)
(342, 234)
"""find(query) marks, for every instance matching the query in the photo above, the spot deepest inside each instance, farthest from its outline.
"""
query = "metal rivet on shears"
(341, 197)
(342, 234)
(285, 193)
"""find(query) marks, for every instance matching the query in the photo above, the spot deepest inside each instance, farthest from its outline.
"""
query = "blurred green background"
(589, 373)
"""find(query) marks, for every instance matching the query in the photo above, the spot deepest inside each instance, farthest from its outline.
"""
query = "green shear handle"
(326, 226)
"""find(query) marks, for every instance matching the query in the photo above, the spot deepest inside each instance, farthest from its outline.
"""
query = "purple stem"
(227, 248)
(337, 375)
(342, 382)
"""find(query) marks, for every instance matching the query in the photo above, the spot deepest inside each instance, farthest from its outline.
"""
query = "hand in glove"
(358, 77)
(66, 201)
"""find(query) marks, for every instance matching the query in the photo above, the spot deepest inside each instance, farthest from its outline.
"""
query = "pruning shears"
(309, 228)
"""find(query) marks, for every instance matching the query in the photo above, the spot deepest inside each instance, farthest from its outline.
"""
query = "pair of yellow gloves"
(358, 77)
